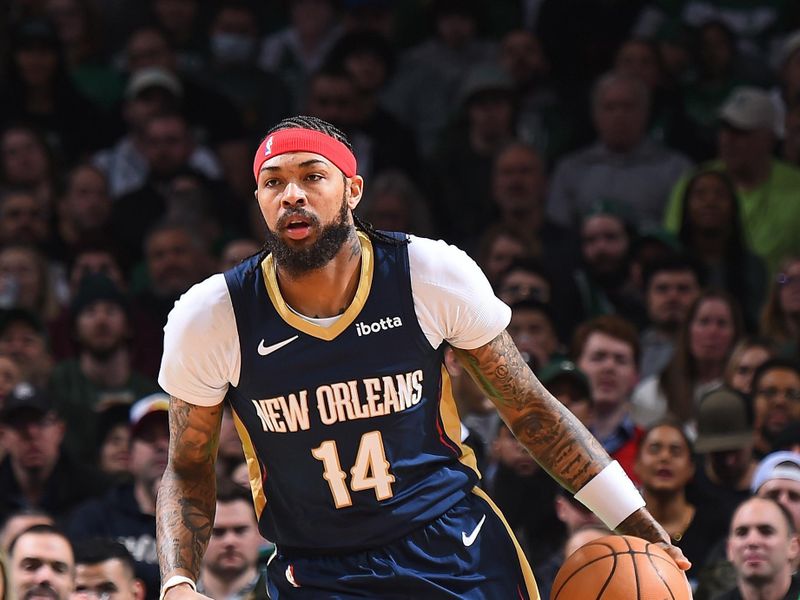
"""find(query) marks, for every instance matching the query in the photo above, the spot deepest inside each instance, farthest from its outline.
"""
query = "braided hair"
(317, 124)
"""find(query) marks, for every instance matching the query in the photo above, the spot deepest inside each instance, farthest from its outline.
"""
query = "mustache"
(294, 213)
(42, 589)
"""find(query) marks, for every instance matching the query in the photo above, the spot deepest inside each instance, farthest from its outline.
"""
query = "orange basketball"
(620, 567)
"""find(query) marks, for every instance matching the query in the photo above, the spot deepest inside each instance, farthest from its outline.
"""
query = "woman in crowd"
(27, 162)
(711, 230)
(780, 319)
(113, 441)
(697, 366)
(665, 465)
(749, 354)
(26, 281)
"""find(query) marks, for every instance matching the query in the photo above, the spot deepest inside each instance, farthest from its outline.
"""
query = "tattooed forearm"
(187, 497)
(551, 433)
(497, 371)
(643, 525)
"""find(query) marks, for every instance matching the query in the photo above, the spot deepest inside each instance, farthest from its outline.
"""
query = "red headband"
(296, 139)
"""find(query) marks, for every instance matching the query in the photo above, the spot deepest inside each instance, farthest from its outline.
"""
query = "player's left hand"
(677, 555)
(642, 524)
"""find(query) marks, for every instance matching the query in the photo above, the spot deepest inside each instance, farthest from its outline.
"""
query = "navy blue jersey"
(351, 432)
(468, 553)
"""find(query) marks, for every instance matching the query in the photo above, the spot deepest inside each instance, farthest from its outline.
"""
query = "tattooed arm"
(187, 497)
(552, 434)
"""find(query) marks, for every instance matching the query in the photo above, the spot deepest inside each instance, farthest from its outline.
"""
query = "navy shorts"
(467, 553)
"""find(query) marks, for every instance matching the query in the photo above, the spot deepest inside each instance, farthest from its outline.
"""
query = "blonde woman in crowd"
(707, 338)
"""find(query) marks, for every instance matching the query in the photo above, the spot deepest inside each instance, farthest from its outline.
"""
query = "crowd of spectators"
(626, 173)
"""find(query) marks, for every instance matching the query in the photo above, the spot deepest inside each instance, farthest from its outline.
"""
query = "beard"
(610, 273)
(228, 573)
(42, 590)
(102, 351)
(299, 261)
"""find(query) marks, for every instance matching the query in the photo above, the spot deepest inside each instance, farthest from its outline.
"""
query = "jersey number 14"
(370, 471)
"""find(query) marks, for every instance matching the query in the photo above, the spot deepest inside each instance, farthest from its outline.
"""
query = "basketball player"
(329, 345)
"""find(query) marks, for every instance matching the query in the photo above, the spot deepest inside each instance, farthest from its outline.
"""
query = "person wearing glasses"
(780, 318)
(37, 472)
(776, 401)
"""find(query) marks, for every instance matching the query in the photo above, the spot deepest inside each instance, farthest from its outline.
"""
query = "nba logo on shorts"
(268, 147)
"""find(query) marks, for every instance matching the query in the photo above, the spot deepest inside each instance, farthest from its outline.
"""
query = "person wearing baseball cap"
(750, 109)
(749, 126)
(570, 385)
(37, 471)
(24, 338)
(102, 369)
(128, 509)
(154, 78)
(778, 477)
(147, 411)
(724, 442)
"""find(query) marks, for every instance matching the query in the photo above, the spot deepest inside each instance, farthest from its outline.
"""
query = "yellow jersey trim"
(452, 422)
(253, 466)
(349, 315)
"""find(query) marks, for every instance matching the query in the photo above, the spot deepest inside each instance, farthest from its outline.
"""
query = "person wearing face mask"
(260, 96)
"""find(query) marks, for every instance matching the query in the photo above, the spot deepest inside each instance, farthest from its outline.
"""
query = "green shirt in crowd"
(770, 212)
(77, 400)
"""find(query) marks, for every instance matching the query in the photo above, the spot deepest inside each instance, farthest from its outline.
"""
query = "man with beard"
(329, 345)
(230, 567)
(763, 547)
(42, 565)
(127, 512)
(604, 284)
(671, 285)
(23, 219)
(37, 472)
(776, 401)
(101, 374)
(105, 569)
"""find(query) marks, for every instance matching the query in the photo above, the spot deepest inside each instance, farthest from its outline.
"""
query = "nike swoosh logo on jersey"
(264, 350)
(470, 539)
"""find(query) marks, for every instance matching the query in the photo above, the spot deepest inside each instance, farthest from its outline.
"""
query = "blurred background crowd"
(625, 172)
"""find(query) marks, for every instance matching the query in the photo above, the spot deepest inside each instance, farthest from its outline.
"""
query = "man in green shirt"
(101, 374)
(769, 189)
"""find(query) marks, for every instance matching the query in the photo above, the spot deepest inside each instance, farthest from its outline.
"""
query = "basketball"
(620, 567)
